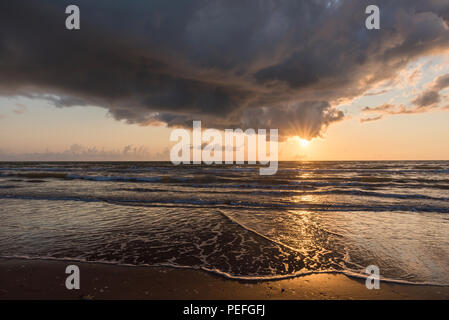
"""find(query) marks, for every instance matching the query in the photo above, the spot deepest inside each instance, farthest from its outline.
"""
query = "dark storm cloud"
(283, 63)
(306, 119)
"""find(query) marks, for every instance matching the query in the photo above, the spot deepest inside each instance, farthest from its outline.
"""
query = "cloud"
(427, 98)
(432, 96)
(376, 93)
(391, 109)
(426, 101)
(19, 109)
(413, 76)
(441, 82)
(306, 119)
(283, 63)
(78, 152)
(371, 119)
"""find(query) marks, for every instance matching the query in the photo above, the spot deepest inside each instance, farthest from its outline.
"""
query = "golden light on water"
(303, 198)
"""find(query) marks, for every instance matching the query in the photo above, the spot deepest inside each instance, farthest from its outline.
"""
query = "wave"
(313, 185)
(113, 178)
(287, 193)
(66, 176)
(38, 175)
(239, 204)
(38, 169)
(239, 182)
(229, 218)
(377, 194)
(8, 187)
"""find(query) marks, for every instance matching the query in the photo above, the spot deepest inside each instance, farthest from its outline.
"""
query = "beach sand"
(45, 279)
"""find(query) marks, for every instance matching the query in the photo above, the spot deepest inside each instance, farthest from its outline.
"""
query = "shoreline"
(223, 275)
(45, 279)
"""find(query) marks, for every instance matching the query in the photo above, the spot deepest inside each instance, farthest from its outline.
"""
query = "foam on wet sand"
(45, 279)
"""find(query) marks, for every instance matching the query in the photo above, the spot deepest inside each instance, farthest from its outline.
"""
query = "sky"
(116, 88)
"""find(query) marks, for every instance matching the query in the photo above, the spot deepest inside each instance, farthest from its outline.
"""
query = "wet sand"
(45, 279)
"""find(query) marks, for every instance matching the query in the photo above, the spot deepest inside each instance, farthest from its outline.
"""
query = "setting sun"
(303, 142)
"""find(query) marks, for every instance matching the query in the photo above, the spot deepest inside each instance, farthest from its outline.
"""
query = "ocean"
(311, 217)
